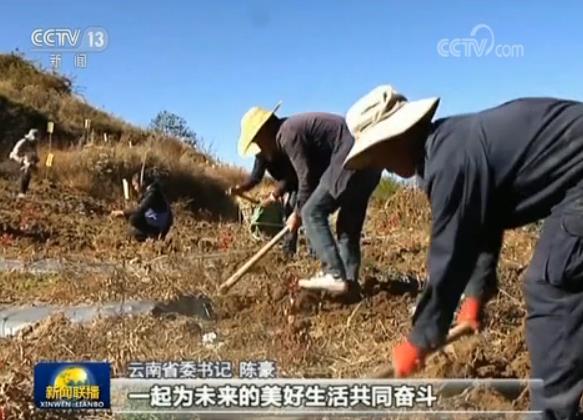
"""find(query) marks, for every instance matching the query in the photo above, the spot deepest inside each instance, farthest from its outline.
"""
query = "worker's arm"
(297, 152)
(483, 282)
(17, 152)
(484, 277)
(147, 202)
(255, 177)
(289, 183)
(286, 185)
(280, 189)
(459, 197)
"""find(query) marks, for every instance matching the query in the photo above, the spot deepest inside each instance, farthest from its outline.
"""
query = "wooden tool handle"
(249, 199)
(251, 262)
(243, 196)
(454, 334)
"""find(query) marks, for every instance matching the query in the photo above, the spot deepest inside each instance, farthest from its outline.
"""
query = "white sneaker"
(21, 195)
(324, 282)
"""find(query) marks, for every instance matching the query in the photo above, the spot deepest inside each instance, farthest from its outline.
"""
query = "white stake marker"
(126, 189)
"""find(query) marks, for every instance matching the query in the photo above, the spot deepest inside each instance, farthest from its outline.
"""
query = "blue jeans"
(290, 240)
(340, 257)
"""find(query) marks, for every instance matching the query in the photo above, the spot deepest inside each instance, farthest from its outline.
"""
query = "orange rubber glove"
(470, 313)
(407, 358)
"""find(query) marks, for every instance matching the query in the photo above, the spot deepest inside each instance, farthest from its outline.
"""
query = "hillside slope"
(30, 97)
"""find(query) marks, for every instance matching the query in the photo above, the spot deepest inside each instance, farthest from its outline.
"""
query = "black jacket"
(280, 170)
(316, 144)
(153, 198)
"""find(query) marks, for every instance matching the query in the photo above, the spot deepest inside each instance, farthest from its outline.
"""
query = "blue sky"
(209, 61)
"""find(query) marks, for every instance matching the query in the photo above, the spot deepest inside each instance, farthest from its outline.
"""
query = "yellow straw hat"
(251, 123)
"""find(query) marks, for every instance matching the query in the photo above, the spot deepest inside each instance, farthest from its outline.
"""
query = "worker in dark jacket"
(316, 145)
(483, 173)
(153, 217)
(281, 171)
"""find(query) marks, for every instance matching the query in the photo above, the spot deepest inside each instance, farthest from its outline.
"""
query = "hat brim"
(367, 145)
(247, 147)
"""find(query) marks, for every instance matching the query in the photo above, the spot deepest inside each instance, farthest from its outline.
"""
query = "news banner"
(253, 387)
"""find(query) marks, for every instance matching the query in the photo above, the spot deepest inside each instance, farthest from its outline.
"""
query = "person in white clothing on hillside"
(25, 154)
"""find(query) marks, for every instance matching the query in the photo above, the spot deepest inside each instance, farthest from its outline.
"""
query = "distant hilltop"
(112, 149)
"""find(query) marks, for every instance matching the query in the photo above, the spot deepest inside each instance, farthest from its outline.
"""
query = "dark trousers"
(554, 326)
(140, 230)
(340, 257)
(25, 178)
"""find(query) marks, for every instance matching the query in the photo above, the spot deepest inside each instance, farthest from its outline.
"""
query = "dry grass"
(29, 97)
(40, 96)
(99, 170)
(262, 317)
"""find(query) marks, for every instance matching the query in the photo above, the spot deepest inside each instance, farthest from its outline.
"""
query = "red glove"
(406, 359)
(470, 313)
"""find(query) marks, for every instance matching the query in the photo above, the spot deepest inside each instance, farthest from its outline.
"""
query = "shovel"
(454, 334)
(252, 261)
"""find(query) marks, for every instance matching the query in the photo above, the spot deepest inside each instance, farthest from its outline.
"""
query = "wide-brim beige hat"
(31, 135)
(379, 117)
(251, 124)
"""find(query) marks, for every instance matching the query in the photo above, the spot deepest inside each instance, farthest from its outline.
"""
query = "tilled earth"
(264, 316)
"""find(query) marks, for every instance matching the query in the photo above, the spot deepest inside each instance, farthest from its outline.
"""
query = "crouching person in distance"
(153, 217)
(483, 173)
(25, 154)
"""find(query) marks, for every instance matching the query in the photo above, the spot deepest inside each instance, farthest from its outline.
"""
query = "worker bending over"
(486, 172)
(316, 145)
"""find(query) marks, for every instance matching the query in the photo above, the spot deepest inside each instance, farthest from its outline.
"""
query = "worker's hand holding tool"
(470, 313)
(236, 190)
(407, 358)
(269, 200)
(294, 222)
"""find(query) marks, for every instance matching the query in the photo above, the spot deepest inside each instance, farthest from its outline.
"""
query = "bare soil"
(263, 317)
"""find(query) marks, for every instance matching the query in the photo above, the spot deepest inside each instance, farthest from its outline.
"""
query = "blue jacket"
(483, 173)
